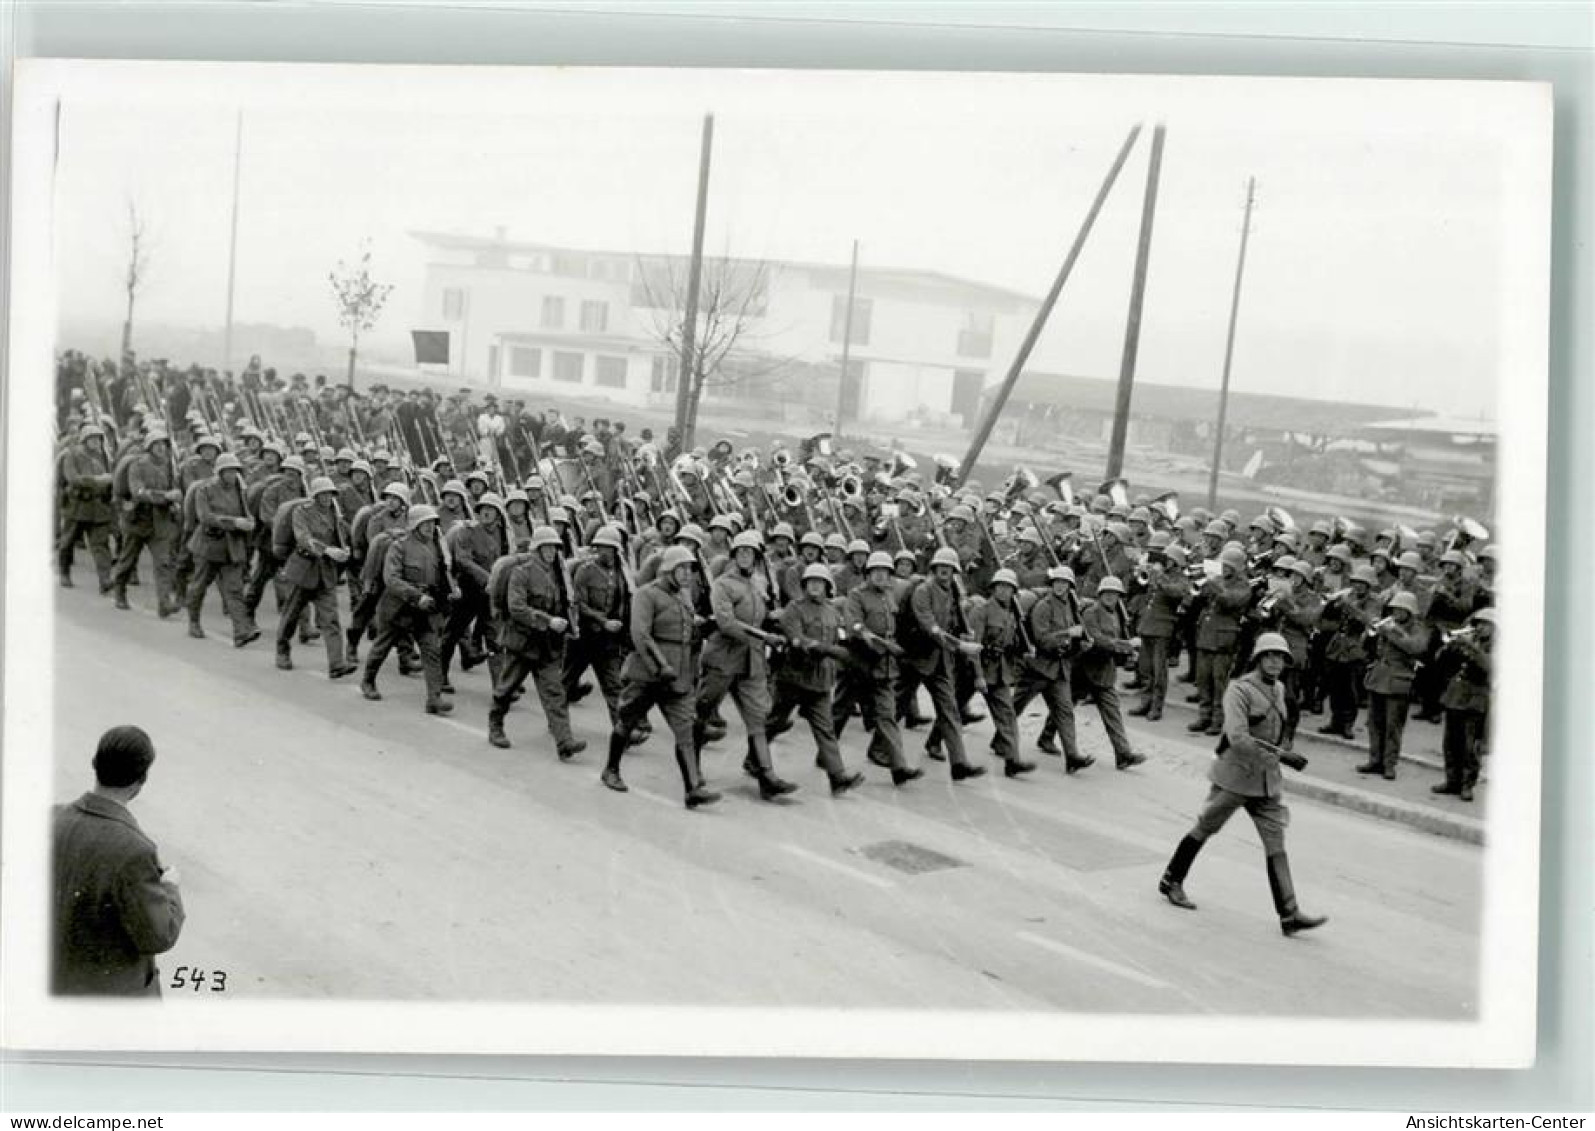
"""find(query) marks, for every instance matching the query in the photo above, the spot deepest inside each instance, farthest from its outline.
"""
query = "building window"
(568, 367)
(453, 304)
(567, 264)
(663, 377)
(526, 361)
(974, 339)
(610, 372)
(553, 312)
(595, 317)
(862, 309)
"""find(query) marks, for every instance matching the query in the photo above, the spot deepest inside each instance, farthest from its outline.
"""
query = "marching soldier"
(87, 512)
(473, 548)
(934, 633)
(538, 621)
(1246, 775)
(1058, 635)
(220, 547)
(153, 522)
(1168, 588)
(603, 604)
(1356, 607)
(415, 587)
(1096, 671)
(734, 663)
(289, 484)
(321, 547)
(869, 615)
(807, 679)
(997, 627)
(660, 671)
(1466, 700)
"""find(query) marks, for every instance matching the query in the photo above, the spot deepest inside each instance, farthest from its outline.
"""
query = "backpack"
(282, 528)
(121, 489)
(498, 583)
(909, 633)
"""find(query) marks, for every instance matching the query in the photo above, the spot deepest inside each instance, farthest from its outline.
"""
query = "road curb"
(1419, 817)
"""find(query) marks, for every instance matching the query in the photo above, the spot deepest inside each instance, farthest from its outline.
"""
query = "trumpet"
(1337, 595)
(1468, 633)
(782, 459)
(1379, 625)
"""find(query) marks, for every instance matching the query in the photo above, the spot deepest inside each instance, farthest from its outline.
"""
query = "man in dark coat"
(115, 907)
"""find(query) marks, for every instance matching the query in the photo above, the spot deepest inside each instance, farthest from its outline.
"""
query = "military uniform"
(1156, 627)
(807, 679)
(1466, 700)
(931, 619)
(220, 546)
(602, 598)
(1058, 637)
(473, 549)
(1096, 673)
(1346, 661)
(662, 622)
(869, 681)
(412, 569)
(1003, 649)
(1217, 636)
(532, 647)
(733, 663)
(1397, 653)
(153, 522)
(87, 512)
(312, 580)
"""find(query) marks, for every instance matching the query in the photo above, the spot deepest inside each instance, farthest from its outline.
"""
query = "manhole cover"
(910, 858)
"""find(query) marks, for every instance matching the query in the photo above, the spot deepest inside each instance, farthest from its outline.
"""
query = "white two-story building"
(531, 318)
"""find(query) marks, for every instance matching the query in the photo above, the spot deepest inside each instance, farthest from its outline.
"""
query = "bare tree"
(138, 264)
(360, 299)
(732, 295)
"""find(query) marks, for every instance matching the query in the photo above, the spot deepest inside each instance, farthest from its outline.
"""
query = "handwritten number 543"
(193, 978)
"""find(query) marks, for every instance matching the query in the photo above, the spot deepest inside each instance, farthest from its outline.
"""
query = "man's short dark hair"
(124, 757)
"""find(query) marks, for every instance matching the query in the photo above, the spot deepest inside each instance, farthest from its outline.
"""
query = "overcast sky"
(1376, 272)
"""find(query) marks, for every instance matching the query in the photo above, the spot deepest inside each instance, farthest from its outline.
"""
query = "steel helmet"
(810, 538)
(323, 453)
(1304, 570)
(154, 438)
(835, 542)
(422, 512)
(1403, 600)
(381, 456)
(818, 572)
(783, 530)
(545, 536)
(1284, 562)
(947, 556)
(721, 522)
(269, 448)
(1340, 552)
(1426, 538)
(1410, 560)
(1270, 642)
(1231, 518)
(477, 475)
(1110, 584)
(693, 533)
(905, 554)
(1177, 556)
(1159, 541)
(304, 440)
(607, 536)
(516, 496)
(747, 540)
(294, 463)
(1488, 554)
(1380, 552)
(1186, 522)
(1288, 539)
(1261, 522)
(1022, 507)
(206, 440)
(880, 559)
(858, 546)
(961, 511)
(345, 455)
(674, 558)
(491, 499)
(1234, 557)
(570, 502)
(1061, 573)
(1322, 527)
(1453, 557)
(1029, 536)
(1005, 577)
(1217, 529)
(321, 485)
(1366, 575)
(228, 462)
(398, 491)
(360, 465)
(1141, 515)
(454, 486)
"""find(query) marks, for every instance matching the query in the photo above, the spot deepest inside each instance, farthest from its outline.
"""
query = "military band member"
(661, 672)
(1246, 775)
(539, 621)
(807, 679)
(1297, 610)
(1225, 598)
(1466, 700)
(1356, 607)
(1400, 642)
(321, 548)
(1168, 588)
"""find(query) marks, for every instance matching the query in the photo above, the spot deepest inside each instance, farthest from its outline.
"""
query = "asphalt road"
(331, 847)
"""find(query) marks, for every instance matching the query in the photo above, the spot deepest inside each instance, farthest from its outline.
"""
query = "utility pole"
(1229, 348)
(1014, 370)
(232, 245)
(689, 325)
(1132, 330)
(847, 341)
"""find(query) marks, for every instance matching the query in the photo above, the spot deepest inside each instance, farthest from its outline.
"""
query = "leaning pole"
(1025, 347)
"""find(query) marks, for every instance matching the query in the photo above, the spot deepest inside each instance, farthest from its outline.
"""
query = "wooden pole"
(1229, 349)
(847, 341)
(1132, 329)
(232, 244)
(1036, 326)
(689, 326)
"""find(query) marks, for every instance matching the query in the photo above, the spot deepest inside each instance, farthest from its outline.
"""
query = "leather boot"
(196, 630)
(771, 787)
(1200, 724)
(1074, 763)
(495, 728)
(1142, 709)
(1291, 917)
(1172, 883)
(285, 661)
(121, 599)
(611, 775)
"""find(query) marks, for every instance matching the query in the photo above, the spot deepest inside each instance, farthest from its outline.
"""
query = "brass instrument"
(1378, 626)
(852, 489)
(1060, 483)
(1469, 633)
(1116, 489)
(1168, 505)
(1281, 518)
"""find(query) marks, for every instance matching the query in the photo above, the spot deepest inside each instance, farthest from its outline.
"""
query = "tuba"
(852, 489)
(1116, 489)
(1168, 505)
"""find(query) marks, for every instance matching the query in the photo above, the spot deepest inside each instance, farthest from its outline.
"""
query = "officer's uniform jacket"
(1162, 608)
(932, 607)
(1469, 689)
(153, 514)
(88, 485)
(1253, 709)
(662, 617)
(217, 506)
(1104, 628)
(473, 549)
(1396, 654)
(738, 605)
(1002, 650)
(876, 612)
(536, 596)
(815, 628)
(601, 596)
(315, 529)
(1051, 618)
(1220, 626)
